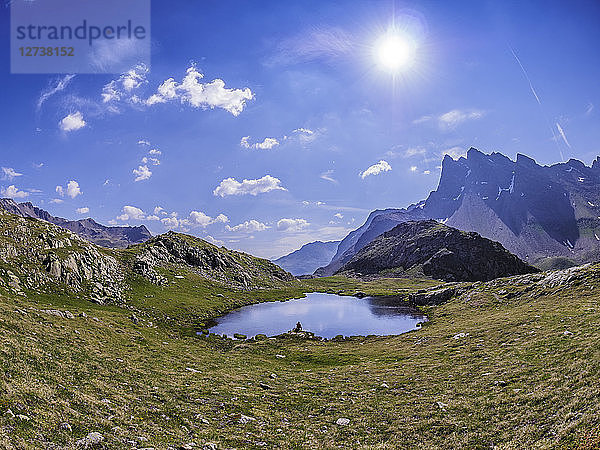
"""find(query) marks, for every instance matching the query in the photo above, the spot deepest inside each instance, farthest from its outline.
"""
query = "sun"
(395, 52)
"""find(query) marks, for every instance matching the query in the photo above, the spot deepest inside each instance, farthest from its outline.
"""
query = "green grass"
(515, 381)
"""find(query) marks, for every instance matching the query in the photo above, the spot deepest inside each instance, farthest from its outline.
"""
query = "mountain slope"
(540, 213)
(111, 237)
(436, 250)
(308, 258)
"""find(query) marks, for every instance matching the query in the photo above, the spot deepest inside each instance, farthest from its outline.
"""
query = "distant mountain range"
(549, 216)
(113, 237)
(308, 258)
(428, 248)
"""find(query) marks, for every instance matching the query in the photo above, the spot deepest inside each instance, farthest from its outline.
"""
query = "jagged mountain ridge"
(308, 258)
(539, 213)
(111, 237)
(432, 249)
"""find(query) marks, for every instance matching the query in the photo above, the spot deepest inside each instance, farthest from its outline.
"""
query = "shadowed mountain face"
(432, 249)
(308, 258)
(112, 237)
(539, 213)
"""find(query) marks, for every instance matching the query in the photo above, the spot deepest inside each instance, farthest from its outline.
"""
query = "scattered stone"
(273, 376)
(460, 335)
(23, 417)
(265, 386)
(134, 318)
(245, 419)
(9, 414)
(190, 369)
(441, 405)
(92, 438)
(567, 333)
(342, 421)
(280, 356)
(384, 385)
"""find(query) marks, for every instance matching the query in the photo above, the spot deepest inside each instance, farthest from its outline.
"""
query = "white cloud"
(230, 186)
(201, 95)
(72, 190)
(9, 173)
(12, 192)
(152, 217)
(317, 43)
(159, 210)
(338, 216)
(142, 173)
(413, 151)
(413, 168)
(292, 224)
(452, 119)
(249, 226)
(155, 152)
(170, 222)
(120, 88)
(83, 210)
(56, 200)
(144, 142)
(426, 172)
(327, 176)
(455, 152)
(72, 122)
(131, 213)
(60, 85)
(422, 119)
(267, 144)
(212, 240)
(376, 169)
(153, 161)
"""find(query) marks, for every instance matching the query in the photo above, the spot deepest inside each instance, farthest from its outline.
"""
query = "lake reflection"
(326, 315)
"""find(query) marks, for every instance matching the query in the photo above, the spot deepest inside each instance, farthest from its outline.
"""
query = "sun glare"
(395, 52)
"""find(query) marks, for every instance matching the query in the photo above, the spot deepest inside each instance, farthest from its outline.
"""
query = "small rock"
(23, 417)
(273, 376)
(342, 421)
(460, 335)
(245, 419)
(66, 426)
(265, 386)
(441, 405)
(92, 438)
(384, 385)
(280, 356)
(134, 318)
(567, 333)
(9, 414)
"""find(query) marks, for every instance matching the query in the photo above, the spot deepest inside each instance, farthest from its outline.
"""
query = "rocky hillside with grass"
(110, 237)
(429, 248)
(40, 258)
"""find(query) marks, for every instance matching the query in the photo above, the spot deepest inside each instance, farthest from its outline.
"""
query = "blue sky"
(304, 112)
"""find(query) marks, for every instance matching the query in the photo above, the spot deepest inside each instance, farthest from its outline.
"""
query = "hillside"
(111, 237)
(429, 248)
(547, 215)
(308, 258)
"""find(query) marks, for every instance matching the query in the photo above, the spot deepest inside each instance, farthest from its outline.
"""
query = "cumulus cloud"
(292, 224)
(83, 210)
(120, 88)
(153, 161)
(249, 226)
(8, 173)
(155, 152)
(201, 95)
(230, 186)
(376, 169)
(72, 122)
(212, 240)
(72, 189)
(338, 216)
(142, 173)
(131, 213)
(13, 192)
(144, 142)
(198, 218)
(267, 144)
(452, 119)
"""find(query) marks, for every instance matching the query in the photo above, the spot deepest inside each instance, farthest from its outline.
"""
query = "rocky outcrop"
(435, 250)
(212, 262)
(42, 255)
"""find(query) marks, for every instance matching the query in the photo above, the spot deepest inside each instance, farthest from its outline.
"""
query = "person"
(298, 327)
